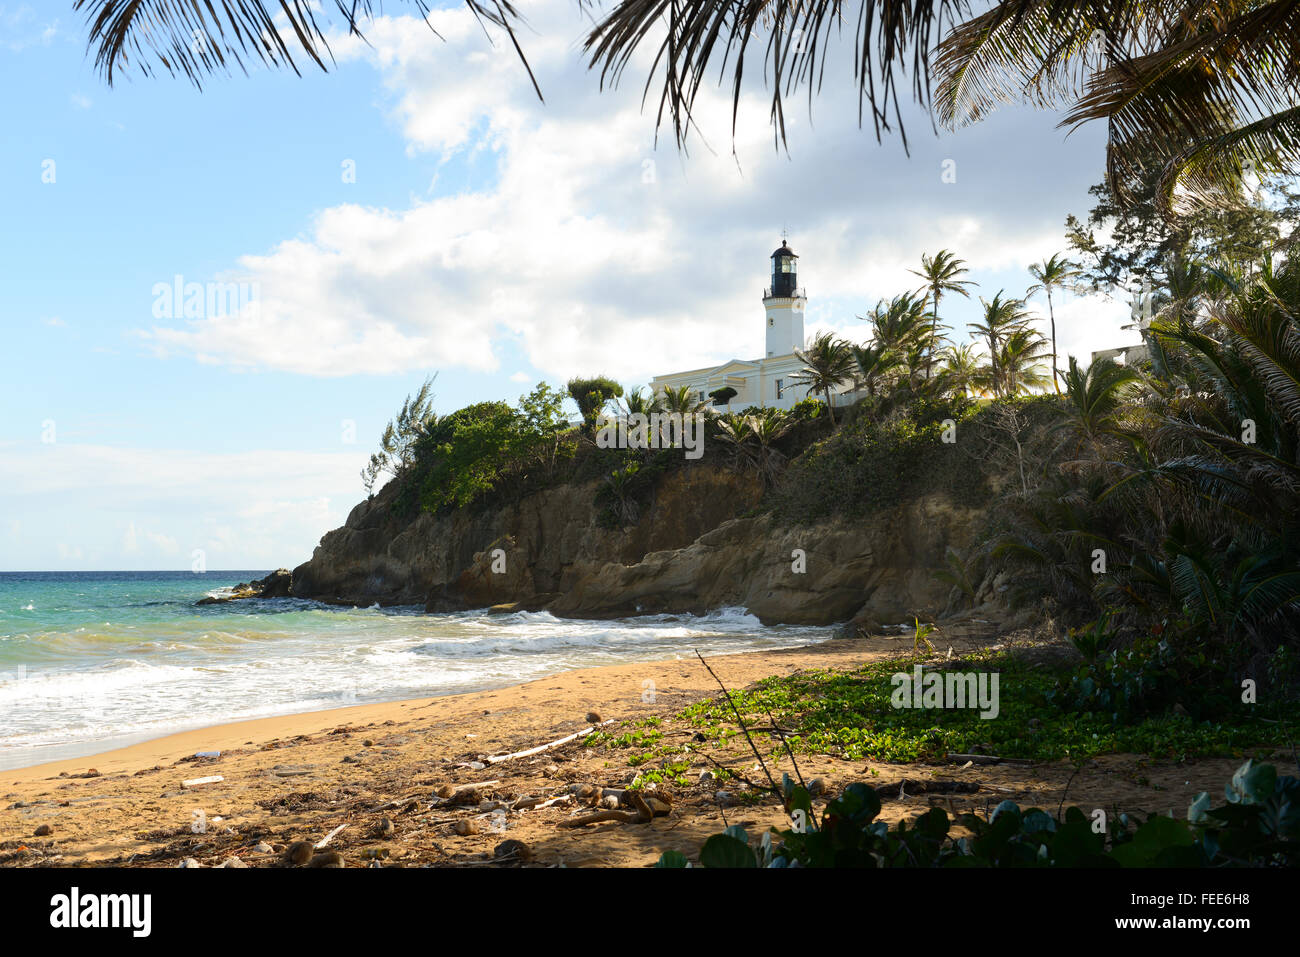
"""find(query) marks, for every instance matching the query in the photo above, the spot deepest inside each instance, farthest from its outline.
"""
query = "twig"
(785, 802)
(498, 758)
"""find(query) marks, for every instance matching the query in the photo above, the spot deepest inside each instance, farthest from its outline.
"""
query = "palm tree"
(1095, 399)
(961, 372)
(681, 400)
(636, 402)
(1054, 273)
(826, 364)
(1019, 361)
(1208, 84)
(1203, 83)
(873, 365)
(940, 273)
(1002, 318)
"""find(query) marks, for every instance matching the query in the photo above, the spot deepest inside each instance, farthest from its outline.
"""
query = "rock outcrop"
(527, 551)
(694, 549)
(278, 584)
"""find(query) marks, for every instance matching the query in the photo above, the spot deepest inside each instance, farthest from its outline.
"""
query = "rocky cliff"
(691, 551)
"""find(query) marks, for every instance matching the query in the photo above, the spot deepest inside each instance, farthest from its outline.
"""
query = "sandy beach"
(299, 777)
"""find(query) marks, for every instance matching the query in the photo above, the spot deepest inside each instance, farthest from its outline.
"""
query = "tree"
(1209, 84)
(1130, 240)
(1002, 318)
(1094, 400)
(826, 364)
(1204, 88)
(398, 443)
(723, 396)
(1056, 272)
(680, 400)
(591, 396)
(940, 273)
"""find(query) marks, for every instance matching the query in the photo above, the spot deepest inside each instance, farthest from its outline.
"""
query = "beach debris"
(910, 788)
(466, 827)
(466, 793)
(593, 717)
(516, 850)
(537, 803)
(529, 752)
(233, 862)
(263, 848)
(189, 862)
(816, 787)
(328, 859)
(706, 776)
(323, 842)
(723, 797)
(384, 828)
(298, 853)
(375, 854)
(195, 782)
(207, 754)
(646, 806)
(43, 831)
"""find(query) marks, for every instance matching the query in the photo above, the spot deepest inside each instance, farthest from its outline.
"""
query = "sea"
(91, 661)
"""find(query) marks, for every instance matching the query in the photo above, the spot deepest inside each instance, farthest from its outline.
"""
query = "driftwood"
(498, 758)
(329, 837)
(647, 806)
(910, 788)
(527, 803)
(982, 759)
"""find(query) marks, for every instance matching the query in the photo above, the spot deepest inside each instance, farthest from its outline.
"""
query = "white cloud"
(245, 510)
(81, 101)
(592, 251)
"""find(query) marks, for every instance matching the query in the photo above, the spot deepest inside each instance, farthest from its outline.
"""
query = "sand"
(298, 777)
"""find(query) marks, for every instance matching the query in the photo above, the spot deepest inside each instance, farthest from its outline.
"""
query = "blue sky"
(487, 237)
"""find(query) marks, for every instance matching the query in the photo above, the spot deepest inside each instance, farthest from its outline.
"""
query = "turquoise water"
(94, 660)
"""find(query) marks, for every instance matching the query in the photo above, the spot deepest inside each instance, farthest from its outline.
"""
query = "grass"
(849, 715)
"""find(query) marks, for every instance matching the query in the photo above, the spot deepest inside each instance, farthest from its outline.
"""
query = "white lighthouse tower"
(784, 301)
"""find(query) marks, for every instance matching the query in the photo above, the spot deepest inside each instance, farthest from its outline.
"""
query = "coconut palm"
(637, 402)
(1002, 319)
(826, 363)
(962, 372)
(1056, 272)
(1019, 362)
(1210, 86)
(940, 273)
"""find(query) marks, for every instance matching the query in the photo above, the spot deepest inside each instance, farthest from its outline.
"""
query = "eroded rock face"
(549, 541)
(688, 553)
(880, 570)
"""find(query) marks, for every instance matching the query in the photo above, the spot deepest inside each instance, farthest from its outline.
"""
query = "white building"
(767, 381)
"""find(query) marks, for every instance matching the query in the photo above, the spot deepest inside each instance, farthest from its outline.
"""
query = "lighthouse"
(784, 303)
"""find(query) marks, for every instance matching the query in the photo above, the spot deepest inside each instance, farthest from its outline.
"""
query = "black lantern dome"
(784, 272)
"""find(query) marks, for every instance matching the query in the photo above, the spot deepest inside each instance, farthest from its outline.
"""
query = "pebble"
(189, 862)
(446, 791)
(593, 717)
(610, 801)
(263, 848)
(385, 828)
(816, 786)
(233, 862)
(513, 849)
(368, 743)
(326, 859)
(465, 827)
(44, 831)
(298, 853)
(706, 777)
(722, 797)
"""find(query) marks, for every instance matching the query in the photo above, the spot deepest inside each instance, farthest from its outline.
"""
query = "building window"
(701, 395)
(780, 387)
(771, 321)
